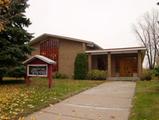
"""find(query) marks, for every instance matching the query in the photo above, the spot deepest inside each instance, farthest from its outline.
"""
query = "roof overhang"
(40, 57)
(117, 51)
(45, 35)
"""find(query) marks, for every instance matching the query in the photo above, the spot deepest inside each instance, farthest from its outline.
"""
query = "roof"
(43, 36)
(117, 50)
(43, 58)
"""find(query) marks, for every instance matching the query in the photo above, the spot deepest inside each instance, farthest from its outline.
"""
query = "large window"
(49, 48)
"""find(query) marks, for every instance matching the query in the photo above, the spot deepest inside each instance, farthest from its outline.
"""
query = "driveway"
(108, 101)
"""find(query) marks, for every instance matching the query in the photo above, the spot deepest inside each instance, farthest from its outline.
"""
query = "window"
(49, 48)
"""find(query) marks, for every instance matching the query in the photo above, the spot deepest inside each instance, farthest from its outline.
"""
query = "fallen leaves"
(16, 100)
(12, 102)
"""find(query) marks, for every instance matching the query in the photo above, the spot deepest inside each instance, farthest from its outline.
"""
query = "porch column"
(109, 64)
(89, 62)
(139, 63)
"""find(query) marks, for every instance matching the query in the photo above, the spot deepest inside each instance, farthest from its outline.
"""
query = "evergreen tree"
(81, 63)
(14, 39)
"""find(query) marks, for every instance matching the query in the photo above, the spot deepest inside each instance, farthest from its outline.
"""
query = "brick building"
(119, 63)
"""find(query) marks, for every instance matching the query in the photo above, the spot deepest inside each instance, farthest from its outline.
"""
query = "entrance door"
(126, 68)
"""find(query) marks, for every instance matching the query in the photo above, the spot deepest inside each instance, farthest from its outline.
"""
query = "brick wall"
(67, 54)
(36, 50)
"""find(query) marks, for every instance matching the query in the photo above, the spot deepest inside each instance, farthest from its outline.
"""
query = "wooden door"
(126, 68)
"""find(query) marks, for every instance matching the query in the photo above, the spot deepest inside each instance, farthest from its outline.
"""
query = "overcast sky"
(105, 22)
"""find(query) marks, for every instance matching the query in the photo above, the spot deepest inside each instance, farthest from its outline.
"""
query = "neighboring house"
(125, 63)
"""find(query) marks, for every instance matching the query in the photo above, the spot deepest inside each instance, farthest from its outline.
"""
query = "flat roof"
(117, 50)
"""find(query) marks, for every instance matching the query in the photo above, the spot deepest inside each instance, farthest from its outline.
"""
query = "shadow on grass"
(8, 82)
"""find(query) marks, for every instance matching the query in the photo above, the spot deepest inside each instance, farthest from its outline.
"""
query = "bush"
(146, 75)
(80, 69)
(60, 76)
(97, 75)
(156, 72)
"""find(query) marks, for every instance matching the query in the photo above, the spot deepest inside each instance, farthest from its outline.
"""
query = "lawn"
(17, 100)
(146, 101)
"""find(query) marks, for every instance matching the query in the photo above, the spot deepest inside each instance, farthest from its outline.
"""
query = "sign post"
(39, 66)
(50, 75)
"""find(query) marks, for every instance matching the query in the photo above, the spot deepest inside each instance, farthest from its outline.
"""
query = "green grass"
(18, 99)
(146, 101)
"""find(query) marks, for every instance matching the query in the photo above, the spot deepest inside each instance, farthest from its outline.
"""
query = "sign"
(40, 70)
(39, 66)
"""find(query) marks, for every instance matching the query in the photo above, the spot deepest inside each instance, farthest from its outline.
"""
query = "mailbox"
(39, 66)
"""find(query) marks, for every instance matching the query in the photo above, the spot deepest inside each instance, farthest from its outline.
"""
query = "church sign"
(39, 66)
(40, 70)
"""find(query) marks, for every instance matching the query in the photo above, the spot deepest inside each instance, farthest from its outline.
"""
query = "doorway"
(128, 66)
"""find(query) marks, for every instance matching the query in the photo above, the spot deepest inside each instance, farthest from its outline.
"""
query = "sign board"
(40, 70)
(39, 66)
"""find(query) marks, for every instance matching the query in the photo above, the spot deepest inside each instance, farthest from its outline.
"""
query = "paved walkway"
(108, 101)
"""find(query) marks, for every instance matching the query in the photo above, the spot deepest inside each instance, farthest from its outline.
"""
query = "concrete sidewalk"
(108, 101)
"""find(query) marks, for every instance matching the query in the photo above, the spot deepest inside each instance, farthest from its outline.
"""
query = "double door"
(128, 66)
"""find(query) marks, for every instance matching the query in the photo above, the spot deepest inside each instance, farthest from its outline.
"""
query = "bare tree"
(147, 31)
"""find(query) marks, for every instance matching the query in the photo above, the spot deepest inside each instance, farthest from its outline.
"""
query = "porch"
(120, 64)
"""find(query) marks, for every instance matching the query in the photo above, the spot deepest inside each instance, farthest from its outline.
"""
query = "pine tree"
(14, 39)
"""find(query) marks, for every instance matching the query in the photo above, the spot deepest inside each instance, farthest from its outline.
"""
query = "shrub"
(146, 75)
(80, 69)
(97, 75)
(60, 76)
(156, 72)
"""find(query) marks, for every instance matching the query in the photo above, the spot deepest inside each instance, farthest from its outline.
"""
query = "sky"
(108, 23)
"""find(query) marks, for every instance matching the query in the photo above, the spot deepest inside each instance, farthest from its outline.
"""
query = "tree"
(14, 38)
(147, 31)
(3, 5)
